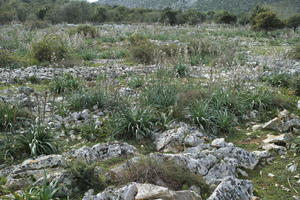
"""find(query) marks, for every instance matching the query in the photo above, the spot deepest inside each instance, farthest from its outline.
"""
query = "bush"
(132, 123)
(164, 173)
(160, 95)
(86, 31)
(278, 80)
(266, 21)
(8, 59)
(51, 48)
(225, 17)
(64, 83)
(136, 82)
(91, 132)
(293, 22)
(86, 176)
(142, 50)
(87, 99)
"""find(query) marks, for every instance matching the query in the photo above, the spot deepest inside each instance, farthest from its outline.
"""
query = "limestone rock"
(233, 189)
(103, 151)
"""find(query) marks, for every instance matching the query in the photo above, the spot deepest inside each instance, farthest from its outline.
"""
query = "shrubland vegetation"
(158, 62)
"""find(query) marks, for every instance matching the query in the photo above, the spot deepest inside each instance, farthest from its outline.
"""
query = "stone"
(176, 139)
(274, 124)
(257, 127)
(219, 142)
(231, 188)
(283, 114)
(103, 151)
(292, 167)
(84, 114)
(142, 191)
(275, 139)
(298, 104)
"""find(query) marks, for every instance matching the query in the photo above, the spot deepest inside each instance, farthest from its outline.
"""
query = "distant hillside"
(237, 6)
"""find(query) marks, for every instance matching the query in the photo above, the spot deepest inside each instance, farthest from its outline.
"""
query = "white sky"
(92, 0)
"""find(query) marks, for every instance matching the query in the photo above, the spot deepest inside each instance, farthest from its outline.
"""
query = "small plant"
(45, 192)
(50, 48)
(91, 132)
(64, 83)
(85, 176)
(181, 70)
(136, 82)
(133, 123)
(87, 99)
(37, 141)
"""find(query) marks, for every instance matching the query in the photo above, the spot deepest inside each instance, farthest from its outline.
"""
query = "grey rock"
(103, 151)
(233, 189)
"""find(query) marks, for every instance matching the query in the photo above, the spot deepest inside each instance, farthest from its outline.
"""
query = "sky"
(92, 0)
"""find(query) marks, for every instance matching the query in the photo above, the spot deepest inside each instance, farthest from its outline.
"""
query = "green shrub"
(181, 70)
(50, 48)
(86, 99)
(132, 123)
(266, 21)
(293, 22)
(142, 50)
(160, 95)
(225, 17)
(64, 83)
(278, 80)
(86, 31)
(8, 59)
(86, 176)
(11, 115)
(37, 141)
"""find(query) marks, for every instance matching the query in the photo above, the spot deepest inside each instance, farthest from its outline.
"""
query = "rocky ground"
(259, 159)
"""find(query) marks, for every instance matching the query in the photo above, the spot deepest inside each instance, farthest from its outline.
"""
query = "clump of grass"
(166, 174)
(295, 52)
(37, 141)
(132, 123)
(181, 70)
(64, 83)
(92, 133)
(87, 99)
(160, 95)
(220, 111)
(136, 82)
(11, 115)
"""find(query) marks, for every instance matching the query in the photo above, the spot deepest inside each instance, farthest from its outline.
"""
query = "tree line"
(77, 12)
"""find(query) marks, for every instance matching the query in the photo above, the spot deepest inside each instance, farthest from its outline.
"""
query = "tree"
(294, 22)
(267, 21)
(258, 9)
(171, 16)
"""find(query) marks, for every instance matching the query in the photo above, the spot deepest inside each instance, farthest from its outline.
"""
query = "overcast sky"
(91, 0)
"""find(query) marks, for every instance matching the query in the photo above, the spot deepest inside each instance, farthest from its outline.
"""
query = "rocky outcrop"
(138, 191)
(103, 151)
(233, 189)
